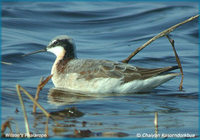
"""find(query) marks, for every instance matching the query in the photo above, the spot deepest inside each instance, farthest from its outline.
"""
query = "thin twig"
(178, 61)
(24, 111)
(37, 95)
(163, 33)
(48, 115)
(6, 63)
(156, 124)
(46, 127)
(45, 81)
(39, 88)
(34, 101)
(5, 125)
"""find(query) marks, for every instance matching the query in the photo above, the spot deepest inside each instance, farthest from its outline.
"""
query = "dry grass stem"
(24, 111)
(163, 33)
(37, 95)
(6, 63)
(46, 127)
(41, 85)
(39, 88)
(156, 123)
(5, 125)
(34, 101)
(178, 61)
(44, 82)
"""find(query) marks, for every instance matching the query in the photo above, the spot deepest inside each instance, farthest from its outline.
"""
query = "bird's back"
(90, 75)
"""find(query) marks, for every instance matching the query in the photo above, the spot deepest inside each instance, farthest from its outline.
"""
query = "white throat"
(58, 51)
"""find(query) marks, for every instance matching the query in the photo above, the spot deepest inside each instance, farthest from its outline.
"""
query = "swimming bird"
(100, 76)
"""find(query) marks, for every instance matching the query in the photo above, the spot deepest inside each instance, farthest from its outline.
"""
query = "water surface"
(102, 30)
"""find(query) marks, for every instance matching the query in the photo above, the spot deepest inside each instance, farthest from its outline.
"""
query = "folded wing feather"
(90, 69)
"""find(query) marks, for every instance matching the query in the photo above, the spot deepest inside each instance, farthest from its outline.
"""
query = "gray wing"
(89, 69)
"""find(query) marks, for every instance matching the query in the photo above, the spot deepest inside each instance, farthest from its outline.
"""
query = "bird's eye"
(54, 42)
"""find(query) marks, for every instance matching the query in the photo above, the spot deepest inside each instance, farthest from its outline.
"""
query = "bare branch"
(39, 88)
(177, 60)
(163, 33)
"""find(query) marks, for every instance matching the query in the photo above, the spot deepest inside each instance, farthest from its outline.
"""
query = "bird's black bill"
(43, 50)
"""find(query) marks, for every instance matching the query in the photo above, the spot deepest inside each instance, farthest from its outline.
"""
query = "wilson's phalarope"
(100, 76)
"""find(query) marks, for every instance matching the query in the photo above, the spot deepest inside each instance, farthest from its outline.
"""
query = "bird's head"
(61, 46)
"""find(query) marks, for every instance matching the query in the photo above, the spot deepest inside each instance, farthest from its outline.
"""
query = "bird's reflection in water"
(59, 96)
